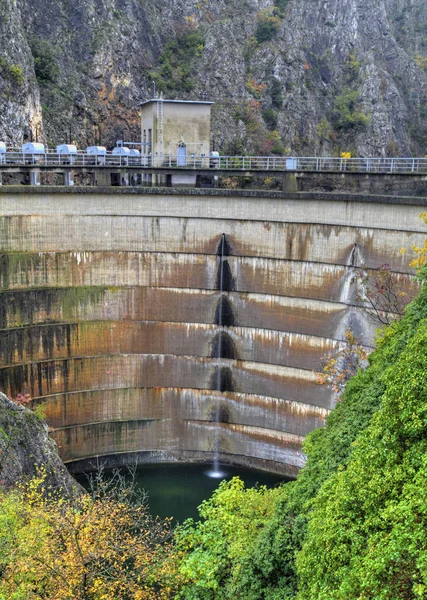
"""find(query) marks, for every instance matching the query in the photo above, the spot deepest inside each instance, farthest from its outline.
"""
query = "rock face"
(25, 446)
(298, 75)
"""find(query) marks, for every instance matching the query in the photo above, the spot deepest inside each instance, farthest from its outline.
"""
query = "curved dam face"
(111, 314)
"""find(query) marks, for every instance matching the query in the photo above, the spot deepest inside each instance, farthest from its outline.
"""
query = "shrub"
(12, 71)
(267, 26)
(254, 88)
(45, 61)
(17, 74)
(281, 6)
(174, 72)
(276, 94)
(345, 115)
(421, 61)
(272, 144)
(351, 67)
(99, 545)
(270, 118)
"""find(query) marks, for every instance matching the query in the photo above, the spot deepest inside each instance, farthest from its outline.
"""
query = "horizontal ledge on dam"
(132, 459)
(268, 312)
(262, 433)
(50, 377)
(112, 324)
(65, 259)
(278, 278)
(290, 439)
(296, 406)
(127, 404)
(161, 358)
(105, 191)
(110, 438)
(264, 239)
(35, 343)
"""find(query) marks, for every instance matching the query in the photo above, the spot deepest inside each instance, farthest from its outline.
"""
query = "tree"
(346, 115)
(380, 296)
(268, 24)
(103, 545)
(214, 551)
(339, 368)
(45, 60)
(371, 517)
(420, 253)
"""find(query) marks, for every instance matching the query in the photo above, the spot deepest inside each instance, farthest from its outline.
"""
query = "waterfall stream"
(354, 317)
(216, 471)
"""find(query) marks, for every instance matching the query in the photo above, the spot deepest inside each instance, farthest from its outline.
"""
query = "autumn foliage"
(102, 546)
(339, 368)
(381, 296)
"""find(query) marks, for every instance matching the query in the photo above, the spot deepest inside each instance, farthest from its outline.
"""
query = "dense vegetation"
(99, 546)
(174, 72)
(352, 526)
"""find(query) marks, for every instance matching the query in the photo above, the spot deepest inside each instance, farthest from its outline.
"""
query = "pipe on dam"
(111, 315)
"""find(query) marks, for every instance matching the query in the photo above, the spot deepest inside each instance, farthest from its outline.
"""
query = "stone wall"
(110, 304)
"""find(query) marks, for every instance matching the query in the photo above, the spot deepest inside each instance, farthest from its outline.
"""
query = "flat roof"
(176, 101)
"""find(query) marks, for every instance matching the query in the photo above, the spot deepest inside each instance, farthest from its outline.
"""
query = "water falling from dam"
(216, 472)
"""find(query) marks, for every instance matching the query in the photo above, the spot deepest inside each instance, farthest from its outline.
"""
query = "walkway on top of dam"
(10, 161)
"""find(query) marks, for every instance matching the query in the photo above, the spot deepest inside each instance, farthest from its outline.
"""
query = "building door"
(181, 160)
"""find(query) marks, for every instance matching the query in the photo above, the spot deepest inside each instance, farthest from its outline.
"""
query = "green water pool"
(176, 490)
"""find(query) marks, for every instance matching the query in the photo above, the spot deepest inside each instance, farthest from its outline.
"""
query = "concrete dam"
(167, 325)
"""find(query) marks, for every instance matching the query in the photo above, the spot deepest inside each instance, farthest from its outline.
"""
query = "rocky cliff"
(305, 76)
(25, 448)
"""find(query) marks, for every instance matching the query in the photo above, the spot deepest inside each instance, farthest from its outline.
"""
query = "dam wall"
(111, 314)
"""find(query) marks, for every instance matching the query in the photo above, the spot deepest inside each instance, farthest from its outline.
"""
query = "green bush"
(345, 115)
(270, 118)
(372, 515)
(12, 71)
(351, 67)
(267, 26)
(45, 61)
(17, 74)
(174, 72)
(281, 6)
(276, 94)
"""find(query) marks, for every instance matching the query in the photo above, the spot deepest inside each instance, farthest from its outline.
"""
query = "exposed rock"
(327, 76)
(25, 446)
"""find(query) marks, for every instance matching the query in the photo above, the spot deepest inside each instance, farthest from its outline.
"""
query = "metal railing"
(232, 163)
(365, 165)
(52, 159)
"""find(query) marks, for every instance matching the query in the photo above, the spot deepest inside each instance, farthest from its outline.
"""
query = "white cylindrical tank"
(134, 156)
(96, 150)
(33, 148)
(67, 152)
(99, 154)
(121, 151)
(66, 149)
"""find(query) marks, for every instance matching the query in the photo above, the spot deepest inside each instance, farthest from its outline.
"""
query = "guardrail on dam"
(110, 308)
